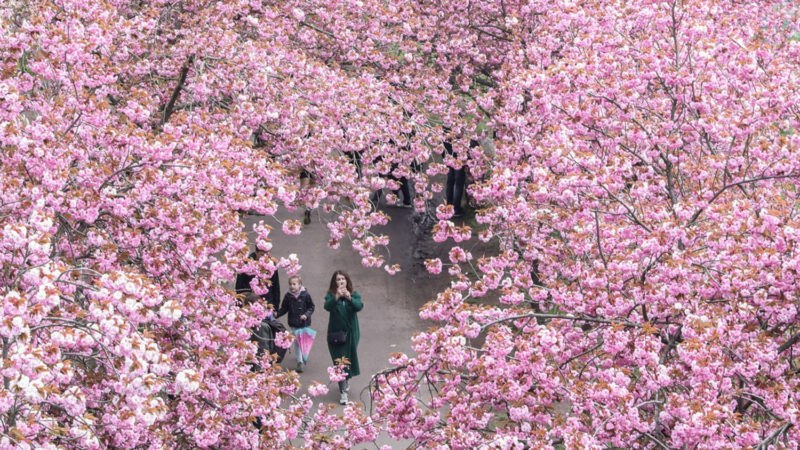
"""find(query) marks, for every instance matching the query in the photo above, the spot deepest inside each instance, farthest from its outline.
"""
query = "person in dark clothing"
(355, 159)
(454, 192)
(262, 334)
(344, 303)
(306, 180)
(394, 174)
(456, 179)
(405, 184)
(243, 280)
(299, 305)
(405, 188)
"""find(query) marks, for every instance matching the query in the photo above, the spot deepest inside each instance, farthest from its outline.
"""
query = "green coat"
(343, 317)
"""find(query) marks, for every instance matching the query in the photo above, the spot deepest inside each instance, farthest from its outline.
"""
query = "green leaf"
(22, 64)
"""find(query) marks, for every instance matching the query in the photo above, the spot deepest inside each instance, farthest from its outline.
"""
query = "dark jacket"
(264, 336)
(273, 296)
(343, 318)
(296, 306)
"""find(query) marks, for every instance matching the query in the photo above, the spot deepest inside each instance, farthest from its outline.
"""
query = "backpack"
(276, 328)
(264, 336)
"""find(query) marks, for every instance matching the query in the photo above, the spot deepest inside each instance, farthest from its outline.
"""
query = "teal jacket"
(344, 317)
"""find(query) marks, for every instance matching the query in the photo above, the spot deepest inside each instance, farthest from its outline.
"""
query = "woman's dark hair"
(332, 288)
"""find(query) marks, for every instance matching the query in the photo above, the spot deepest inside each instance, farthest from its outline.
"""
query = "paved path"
(391, 302)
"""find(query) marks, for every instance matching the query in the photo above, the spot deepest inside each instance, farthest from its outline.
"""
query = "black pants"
(454, 191)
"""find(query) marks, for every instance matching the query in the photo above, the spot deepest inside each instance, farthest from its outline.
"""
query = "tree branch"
(624, 323)
(111, 177)
(774, 436)
(738, 183)
(169, 109)
(597, 234)
(317, 29)
(631, 213)
(599, 344)
(655, 440)
(792, 340)
(489, 33)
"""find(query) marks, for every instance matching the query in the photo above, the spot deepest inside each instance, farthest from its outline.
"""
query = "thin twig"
(624, 323)
(738, 183)
(597, 234)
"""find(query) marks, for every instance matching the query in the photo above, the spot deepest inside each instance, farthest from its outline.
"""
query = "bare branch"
(317, 29)
(489, 33)
(655, 440)
(599, 344)
(624, 323)
(630, 210)
(774, 436)
(597, 234)
(738, 183)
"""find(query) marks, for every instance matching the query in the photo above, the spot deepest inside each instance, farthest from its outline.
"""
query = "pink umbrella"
(305, 339)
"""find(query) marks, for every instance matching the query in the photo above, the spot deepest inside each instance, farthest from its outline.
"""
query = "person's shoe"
(307, 217)
(300, 367)
(343, 399)
(458, 214)
(406, 205)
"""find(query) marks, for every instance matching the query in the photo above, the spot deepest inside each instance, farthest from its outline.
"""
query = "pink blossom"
(170, 310)
(284, 339)
(316, 389)
(336, 373)
(444, 212)
(434, 266)
(292, 227)
(187, 381)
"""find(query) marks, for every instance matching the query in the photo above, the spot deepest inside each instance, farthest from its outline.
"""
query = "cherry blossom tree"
(133, 134)
(643, 196)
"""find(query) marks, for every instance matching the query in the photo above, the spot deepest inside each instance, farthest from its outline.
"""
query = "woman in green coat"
(343, 303)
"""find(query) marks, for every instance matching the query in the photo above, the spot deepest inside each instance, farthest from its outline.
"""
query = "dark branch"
(624, 323)
(774, 436)
(738, 183)
(792, 340)
(318, 29)
(169, 109)
(597, 234)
